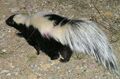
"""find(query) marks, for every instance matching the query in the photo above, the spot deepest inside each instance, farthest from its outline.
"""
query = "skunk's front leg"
(66, 53)
(54, 55)
(37, 49)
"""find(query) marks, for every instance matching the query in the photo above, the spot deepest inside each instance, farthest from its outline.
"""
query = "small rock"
(58, 67)
(32, 76)
(2, 35)
(11, 65)
(4, 50)
(96, 77)
(1, 22)
(16, 73)
(45, 66)
(13, 10)
(34, 66)
(3, 16)
(4, 71)
(9, 74)
(9, 30)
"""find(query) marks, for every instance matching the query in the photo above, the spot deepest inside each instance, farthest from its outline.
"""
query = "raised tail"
(86, 37)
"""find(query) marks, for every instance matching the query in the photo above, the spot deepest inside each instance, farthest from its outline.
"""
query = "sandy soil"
(18, 60)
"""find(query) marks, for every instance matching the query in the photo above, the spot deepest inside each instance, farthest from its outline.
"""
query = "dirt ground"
(18, 60)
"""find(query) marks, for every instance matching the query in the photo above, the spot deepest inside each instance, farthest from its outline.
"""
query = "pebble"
(9, 30)
(16, 73)
(4, 71)
(34, 66)
(11, 65)
(2, 35)
(1, 22)
(9, 74)
(13, 10)
(4, 50)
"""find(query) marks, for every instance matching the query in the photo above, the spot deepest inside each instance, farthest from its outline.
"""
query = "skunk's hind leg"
(66, 53)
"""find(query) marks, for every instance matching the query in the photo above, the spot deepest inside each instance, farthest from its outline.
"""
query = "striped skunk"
(56, 35)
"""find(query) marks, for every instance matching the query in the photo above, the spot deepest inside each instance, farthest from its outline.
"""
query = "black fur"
(66, 53)
(58, 20)
(50, 46)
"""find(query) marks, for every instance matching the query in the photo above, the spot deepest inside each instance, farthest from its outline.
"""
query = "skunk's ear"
(9, 21)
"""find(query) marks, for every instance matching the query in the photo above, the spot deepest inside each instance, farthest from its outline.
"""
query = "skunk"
(35, 39)
(56, 35)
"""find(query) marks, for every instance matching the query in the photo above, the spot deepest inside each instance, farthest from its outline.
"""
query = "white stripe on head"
(22, 19)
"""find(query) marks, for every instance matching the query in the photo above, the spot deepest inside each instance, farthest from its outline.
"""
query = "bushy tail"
(85, 36)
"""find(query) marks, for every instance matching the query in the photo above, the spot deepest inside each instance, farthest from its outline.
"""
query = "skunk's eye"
(12, 22)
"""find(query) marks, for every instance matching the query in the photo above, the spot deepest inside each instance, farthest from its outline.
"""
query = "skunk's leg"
(37, 49)
(66, 53)
(54, 55)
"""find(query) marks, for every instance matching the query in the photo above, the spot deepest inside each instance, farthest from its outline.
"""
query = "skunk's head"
(10, 20)
(18, 22)
(16, 19)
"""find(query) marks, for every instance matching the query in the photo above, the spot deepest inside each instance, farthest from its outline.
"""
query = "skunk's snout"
(10, 21)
